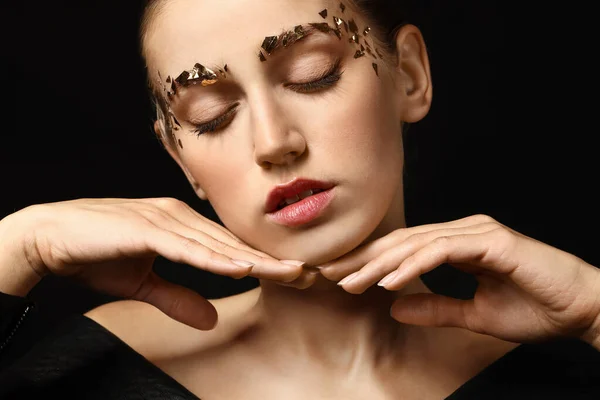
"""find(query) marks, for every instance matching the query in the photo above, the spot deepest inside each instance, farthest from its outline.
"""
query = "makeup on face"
(205, 76)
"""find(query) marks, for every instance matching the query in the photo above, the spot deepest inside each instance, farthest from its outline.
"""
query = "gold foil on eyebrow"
(198, 74)
(323, 13)
(353, 39)
(338, 33)
(366, 31)
(353, 27)
(181, 79)
(261, 56)
(299, 31)
(321, 26)
(226, 68)
(169, 79)
(180, 144)
(342, 7)
(376, 68)
(269, 43)
(286, 38)
(359, 54)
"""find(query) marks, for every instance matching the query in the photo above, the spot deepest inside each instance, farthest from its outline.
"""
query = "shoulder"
(151, 333)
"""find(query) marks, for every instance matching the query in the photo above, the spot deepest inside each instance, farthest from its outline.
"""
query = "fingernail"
(388, 279)
(242, 263)
(348, 279)
(294, 263)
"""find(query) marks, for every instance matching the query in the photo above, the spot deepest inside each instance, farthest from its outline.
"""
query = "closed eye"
(217, 123)
(329, 79)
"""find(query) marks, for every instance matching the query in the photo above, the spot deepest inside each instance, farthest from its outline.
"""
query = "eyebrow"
(291, 36)
(206, 76)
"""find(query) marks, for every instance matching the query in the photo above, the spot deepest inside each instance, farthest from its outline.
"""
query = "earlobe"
(415, 74)
(177, 158)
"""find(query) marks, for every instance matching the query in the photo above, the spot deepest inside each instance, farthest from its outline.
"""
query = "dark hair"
(388, 16)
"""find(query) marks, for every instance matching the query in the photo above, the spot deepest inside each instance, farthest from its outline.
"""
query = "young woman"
(287, 116)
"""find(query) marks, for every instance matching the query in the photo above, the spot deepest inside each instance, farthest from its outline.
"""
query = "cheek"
(216, 170)
(362, 129)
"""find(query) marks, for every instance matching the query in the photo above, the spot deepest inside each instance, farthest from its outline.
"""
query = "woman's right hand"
(111, 244)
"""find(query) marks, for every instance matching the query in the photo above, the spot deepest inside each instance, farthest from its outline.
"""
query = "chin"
(325, 243)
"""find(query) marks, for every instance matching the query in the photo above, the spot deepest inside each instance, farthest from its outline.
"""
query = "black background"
(507, 135)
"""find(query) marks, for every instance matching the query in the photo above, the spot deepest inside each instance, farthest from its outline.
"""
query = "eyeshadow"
(204, 76)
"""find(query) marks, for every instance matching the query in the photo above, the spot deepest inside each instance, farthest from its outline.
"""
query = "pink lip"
(303, 211)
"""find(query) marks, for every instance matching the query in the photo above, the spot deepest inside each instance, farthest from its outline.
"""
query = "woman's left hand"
(528, 291)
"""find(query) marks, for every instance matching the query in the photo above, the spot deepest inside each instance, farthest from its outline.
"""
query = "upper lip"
(291, 189)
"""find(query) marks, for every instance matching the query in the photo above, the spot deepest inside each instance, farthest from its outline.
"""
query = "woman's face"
(288, 118)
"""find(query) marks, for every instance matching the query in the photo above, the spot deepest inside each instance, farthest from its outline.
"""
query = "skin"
(352, 138)
(271, 141)
(290, 340)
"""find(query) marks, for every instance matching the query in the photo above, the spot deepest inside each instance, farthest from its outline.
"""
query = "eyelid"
(216, 123)
(333, 69)
(227, 111)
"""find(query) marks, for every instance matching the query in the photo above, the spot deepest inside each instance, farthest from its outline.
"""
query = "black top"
(82, 360)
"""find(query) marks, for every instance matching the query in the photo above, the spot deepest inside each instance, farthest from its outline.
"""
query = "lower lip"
(304, 211)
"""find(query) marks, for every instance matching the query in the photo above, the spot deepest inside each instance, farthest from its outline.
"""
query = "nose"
(276, 141)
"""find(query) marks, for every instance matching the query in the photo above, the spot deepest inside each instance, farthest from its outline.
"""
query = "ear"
(175, 155)
(415, 74)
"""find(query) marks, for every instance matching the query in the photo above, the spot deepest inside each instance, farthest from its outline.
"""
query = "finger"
(490, 251)
(180, 303)
(355, 260)
(184, 250)
(264, 267)
(390, 259)
(304, 281)
(425, 309)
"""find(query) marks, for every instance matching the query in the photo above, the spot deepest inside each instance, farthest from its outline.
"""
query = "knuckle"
(482, 219)
(152, 214)
(398, 234)
(218, 246)
(504, 237)
(189, 244)
(168, 203)
(490, 226)
(442, 241)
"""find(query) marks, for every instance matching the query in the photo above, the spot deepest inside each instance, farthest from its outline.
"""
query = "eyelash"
(330, 79)
(217, 123)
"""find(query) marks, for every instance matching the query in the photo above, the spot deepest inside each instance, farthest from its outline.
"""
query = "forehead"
(218, 32)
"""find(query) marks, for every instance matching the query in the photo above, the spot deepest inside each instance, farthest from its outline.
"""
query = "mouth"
(286, 195)
(288, 201)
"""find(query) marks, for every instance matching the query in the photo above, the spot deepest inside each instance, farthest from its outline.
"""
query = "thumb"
(178, 302)
(426, 309)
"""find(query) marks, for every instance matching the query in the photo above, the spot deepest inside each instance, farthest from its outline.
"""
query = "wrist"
(17, 275)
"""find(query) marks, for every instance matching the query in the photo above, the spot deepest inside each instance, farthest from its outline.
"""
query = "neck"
(341, 330)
